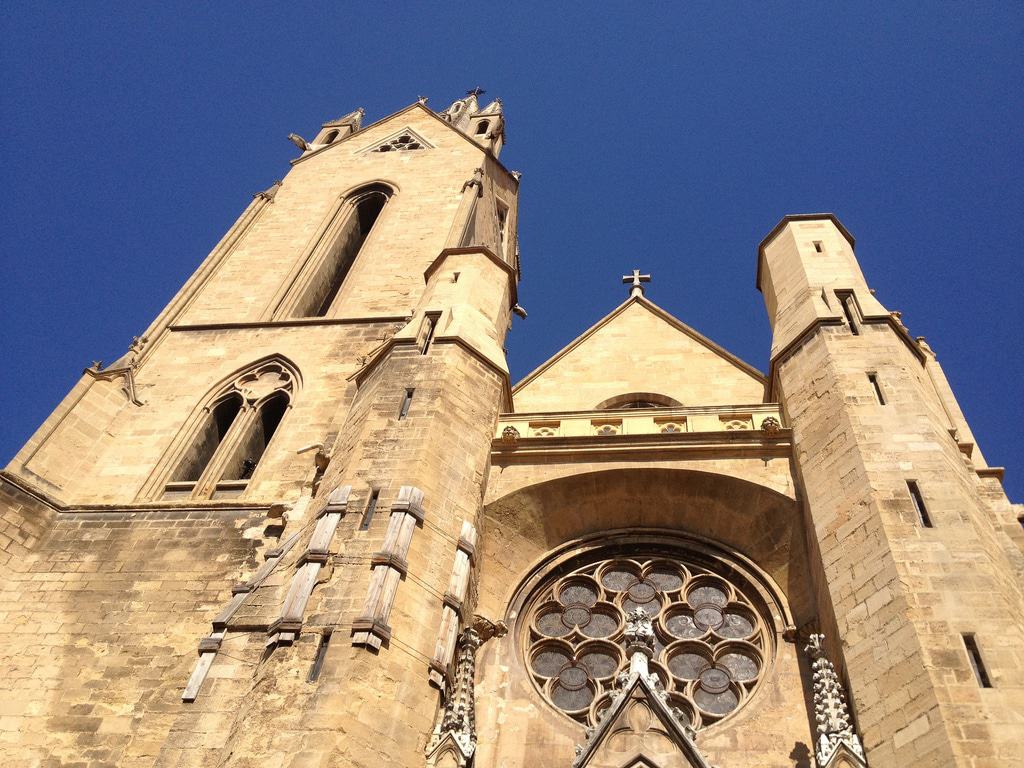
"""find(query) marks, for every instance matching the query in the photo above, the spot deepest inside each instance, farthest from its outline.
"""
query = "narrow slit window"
(977, 664)
(502, 227)
(850, 311)
(873, 378)
(818, 247)
(919, 507)
(371, 507)
(429, 326)
(406, 402)
(318, 660)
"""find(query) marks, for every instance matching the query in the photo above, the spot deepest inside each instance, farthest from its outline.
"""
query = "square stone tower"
(917, 551)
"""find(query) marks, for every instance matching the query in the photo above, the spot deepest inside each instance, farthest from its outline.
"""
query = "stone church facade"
(308, 520)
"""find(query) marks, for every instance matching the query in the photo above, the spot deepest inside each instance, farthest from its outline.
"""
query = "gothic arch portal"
(222, 442)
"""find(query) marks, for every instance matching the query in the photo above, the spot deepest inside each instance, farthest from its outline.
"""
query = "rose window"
(711, 643)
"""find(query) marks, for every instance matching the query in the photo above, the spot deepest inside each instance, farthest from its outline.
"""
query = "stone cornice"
(392, 343)
(510, 270)
(290, 322)
(182, 508)
(731, 443)
(814, 326)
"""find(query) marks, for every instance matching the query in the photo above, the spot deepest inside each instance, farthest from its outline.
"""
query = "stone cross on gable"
(478, 91)
(636, 281)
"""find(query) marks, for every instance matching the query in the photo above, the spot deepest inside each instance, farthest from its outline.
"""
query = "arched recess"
(527, 535)
(313, 288)
(221, 444)
(638, 400)
(520, 530)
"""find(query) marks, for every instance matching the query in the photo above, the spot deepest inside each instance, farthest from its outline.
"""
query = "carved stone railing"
(761, 417)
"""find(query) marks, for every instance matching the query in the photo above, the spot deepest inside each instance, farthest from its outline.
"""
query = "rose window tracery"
(711, 642)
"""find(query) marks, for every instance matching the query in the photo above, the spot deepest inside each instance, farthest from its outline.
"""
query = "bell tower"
(327, 385)
(917, 552)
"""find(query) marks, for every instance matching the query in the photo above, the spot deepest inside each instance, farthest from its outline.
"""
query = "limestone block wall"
(99, 633)
(24, 520)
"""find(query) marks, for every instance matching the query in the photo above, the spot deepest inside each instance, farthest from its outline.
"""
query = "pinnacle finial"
(835, 730)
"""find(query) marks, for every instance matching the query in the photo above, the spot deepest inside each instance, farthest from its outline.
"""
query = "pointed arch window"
(313, 286)
(222, 444)
(328, 270)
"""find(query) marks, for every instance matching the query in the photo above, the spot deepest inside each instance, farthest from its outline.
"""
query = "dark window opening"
(371, 507)
(919, 507)
(429, 326)
(330, 137)
(638, 400)
(251, 448)
(850, 311)
(318, 660)
(502, 226)
(974, 654)
(818, 247)
(326, 284)
(873, 378)
(406, 402)
(482, 127)
(212, 434)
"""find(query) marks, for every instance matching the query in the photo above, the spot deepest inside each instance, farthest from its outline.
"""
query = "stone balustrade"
(639, 421)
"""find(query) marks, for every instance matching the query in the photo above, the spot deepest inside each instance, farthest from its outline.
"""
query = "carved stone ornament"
(640, 716)
(510, 435)
(837, 744)
(771, 426)
(258, 384)
(454, 739)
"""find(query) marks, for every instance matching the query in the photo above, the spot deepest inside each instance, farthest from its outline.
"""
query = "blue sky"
(669, 137)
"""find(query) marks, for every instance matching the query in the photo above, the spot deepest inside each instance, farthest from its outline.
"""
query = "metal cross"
(636, 281)
(478, 91)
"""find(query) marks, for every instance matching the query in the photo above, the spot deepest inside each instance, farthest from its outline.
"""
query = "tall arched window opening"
(359, 213)
(251, 446)
(222, 444)
(216, 426)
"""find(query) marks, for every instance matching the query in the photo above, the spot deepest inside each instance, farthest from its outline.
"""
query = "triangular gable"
(405, 139)
(639, 348)
(639, 730)
(419, 105)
